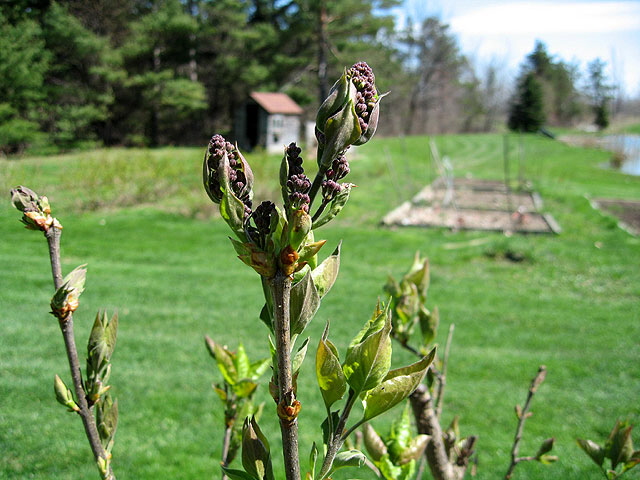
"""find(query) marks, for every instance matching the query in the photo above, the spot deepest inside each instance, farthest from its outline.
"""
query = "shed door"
(253, 114)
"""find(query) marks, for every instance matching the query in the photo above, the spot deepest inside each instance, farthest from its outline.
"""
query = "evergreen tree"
(163, 98)
(526, 112)
(600, 93)
(23, 64)
(78, 82)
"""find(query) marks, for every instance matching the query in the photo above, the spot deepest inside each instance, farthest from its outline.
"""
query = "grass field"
(159, 255)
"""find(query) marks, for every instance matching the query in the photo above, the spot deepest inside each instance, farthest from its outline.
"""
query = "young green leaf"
(595, 451)
(234, 474)
(305, 302)
(347, 458)
(373, 443)
(224, 360)
(325, 274)
(256, 456)
(329, 372)
(368, 361)
(395, 387)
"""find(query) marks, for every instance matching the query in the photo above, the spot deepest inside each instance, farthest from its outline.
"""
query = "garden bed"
(626, 211)
(468, 204)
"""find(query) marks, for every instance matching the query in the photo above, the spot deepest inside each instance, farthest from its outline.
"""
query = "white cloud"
(547, 17)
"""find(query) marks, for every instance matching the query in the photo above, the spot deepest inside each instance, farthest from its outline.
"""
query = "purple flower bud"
(330, 189)
(259, 224)
(297, 184)
(238, 174)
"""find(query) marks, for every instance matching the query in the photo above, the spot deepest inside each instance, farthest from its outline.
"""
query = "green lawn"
(159, 255)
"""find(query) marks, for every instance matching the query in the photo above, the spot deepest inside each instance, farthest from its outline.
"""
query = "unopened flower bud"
(297, 185)
(66, 299)
(349, 115)
(238, 174)
(36, 211)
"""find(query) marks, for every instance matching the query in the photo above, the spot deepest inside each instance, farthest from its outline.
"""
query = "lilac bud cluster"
(298, 184)
(364, 80)
(216, 150)
(330, 186)
(262, 217)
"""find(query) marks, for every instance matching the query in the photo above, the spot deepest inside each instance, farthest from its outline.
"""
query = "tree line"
(160, 72)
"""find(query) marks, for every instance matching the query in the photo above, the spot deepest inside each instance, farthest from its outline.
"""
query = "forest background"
(79, 74)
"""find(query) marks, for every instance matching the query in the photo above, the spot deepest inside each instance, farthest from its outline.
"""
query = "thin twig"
(317, 182)
(443, 374)
(522, 417)
(288, 406)
(337, 439)
(226, 443)
(66, 326)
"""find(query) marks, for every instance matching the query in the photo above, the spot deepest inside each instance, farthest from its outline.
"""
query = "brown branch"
(226, 443)
(288, 406)
(66, 326)
(441, 466)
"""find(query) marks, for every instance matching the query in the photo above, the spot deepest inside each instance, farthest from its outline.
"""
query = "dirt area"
(468, 204)
(627, 211)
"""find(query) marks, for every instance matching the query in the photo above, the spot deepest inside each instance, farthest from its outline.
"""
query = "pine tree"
(526, 112)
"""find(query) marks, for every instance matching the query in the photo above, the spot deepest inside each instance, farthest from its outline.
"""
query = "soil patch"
(469, 204)
(627, 212)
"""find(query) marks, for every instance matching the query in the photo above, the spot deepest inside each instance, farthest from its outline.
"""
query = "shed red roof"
(277, 103)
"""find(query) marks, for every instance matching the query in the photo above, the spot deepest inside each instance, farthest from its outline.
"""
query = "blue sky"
(576, 31)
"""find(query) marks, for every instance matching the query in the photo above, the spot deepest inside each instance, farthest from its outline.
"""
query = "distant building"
(268, 120)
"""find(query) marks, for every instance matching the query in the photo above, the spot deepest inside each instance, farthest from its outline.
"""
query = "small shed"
(268, 120)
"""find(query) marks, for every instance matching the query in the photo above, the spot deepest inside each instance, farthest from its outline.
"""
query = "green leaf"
(237, 474)
(545, 447)
(373, 443)
(395, 387)
(547, 459)
(429, 322)
(415, 450)
(305, 302)
(400, 436)
(388, 470)
(347, 458)
(242, 363)
(224, 360)
(258, 368)
(329, 372)
(313, 458)
(419, 275)
(244, 388)
(102, 340)
(325, 274)
(595, 451)
(299, 356)
(619, 445)
(337, 204)
(369, 354)
(309, 250)
(256, 456)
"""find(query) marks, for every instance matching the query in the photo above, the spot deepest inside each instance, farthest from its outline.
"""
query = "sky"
(575, 31)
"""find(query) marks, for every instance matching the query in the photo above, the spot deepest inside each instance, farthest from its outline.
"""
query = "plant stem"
(337, 439)
(226, 443)
(443, 374)
(280, 286)
(66, 326)
(522, 417)
(317, 182)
